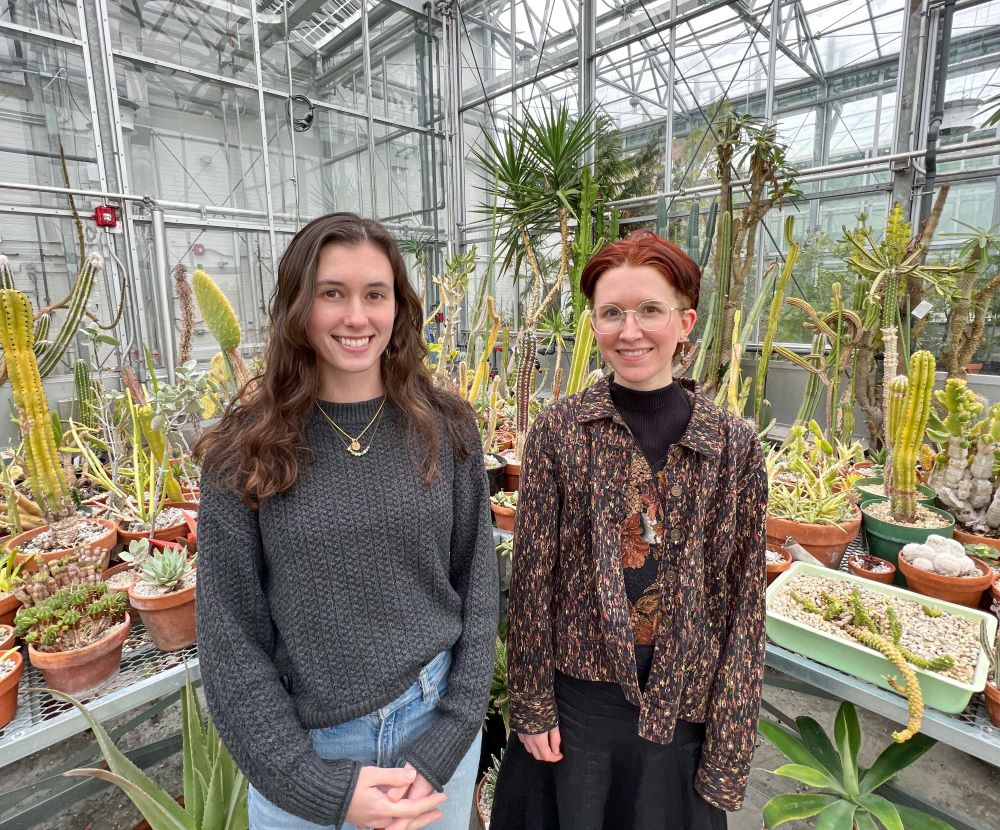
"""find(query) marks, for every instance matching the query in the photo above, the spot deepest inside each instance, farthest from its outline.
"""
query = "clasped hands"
(394, 798)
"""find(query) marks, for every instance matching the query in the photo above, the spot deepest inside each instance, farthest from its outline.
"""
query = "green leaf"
(124, 768)
(237, 817)
(894, 758)
(107, 340)
(215, 801)
(864, 821)
(792, 806)
(917, 820)
(838, 816)
(848, 734)
(819, 744)
(811, 776)
(786, 742)
(883, 809)
(154, 812)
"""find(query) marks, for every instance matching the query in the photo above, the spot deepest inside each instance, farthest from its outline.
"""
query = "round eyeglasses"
(651, 315)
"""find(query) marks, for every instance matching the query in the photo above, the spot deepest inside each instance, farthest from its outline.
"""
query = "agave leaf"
(195, 755)
(818, 743)
(838, 816)
(883, 809)
(864, 821)
(847, 731)
(122, 767)
(154, 812)
(237, 815)
(810, 775)
(793, 806)
(215, 801)
(786, 742)
(917, 820)
(894, 758)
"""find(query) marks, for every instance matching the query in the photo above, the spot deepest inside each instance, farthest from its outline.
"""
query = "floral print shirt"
(590, 506)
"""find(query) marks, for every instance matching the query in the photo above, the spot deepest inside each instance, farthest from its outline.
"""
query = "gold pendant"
(356, 451)
(355, 446)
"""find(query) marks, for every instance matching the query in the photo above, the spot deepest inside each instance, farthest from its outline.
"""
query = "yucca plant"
(844, 796)
(215, 791)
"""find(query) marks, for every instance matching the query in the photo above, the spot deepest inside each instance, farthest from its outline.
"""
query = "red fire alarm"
(105, 216)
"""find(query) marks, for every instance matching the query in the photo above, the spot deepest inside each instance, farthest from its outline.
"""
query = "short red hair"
(643, 247)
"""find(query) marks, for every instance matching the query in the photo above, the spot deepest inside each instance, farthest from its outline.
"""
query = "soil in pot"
(11, 670)
(871, 567)
(826, 542)
(170, 523)
(779, 560)
(84, 668)
(884, 537)
(95, 533)
(962, 590)
(875, 488)
(992, 694)
(169, 617)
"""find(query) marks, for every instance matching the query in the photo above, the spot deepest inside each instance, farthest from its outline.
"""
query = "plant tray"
(852, 658)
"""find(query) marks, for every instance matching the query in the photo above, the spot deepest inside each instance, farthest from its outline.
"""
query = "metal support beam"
(161, 280)
(587, 72)
(911, 72)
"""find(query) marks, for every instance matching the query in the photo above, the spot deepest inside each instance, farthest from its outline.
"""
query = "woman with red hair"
(636, 639)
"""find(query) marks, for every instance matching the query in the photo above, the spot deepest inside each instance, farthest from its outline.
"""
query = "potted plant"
(806, 502)
(992, 690)
(842, 794)
(9, 570)
(11, 669)
(164, 596)
(964, 470)
(215, 791)
(63, 529)
(504, 507)
(899, 519)
(75, 635)
(779, 560)
(940, 567)
(485, 789)
(871, 567)
(874, 487)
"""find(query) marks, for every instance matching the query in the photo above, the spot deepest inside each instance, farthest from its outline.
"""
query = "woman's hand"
(371, 805)
(543, 747)
(420, 788)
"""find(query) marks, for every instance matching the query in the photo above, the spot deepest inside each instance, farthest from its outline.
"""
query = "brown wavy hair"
(257, 447)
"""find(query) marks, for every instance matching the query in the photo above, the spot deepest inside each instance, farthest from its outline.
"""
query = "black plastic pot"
(495, 475)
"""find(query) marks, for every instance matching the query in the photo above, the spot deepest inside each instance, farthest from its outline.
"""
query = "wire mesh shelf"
(145, 674)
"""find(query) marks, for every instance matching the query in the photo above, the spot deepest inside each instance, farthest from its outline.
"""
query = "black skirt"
(609, 777)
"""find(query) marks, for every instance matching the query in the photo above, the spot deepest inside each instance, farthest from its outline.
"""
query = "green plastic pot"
(885, 538)
(928, 495)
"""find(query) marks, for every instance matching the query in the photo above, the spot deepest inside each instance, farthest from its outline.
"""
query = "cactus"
(185, 298)
(72, 618)
(482, 374)
(579, 364)
(723, 277)
(216, 311)
(524, 387)
(85, 400)
(909, 409)
(45, 473)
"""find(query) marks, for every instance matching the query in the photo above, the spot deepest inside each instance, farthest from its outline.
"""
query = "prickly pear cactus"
(216, 311)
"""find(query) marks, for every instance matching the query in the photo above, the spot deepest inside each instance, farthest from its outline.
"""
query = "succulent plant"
(166, 569)
(82, 567)
(9, 572)
(71, 618)
(992, 652)
(136, 553)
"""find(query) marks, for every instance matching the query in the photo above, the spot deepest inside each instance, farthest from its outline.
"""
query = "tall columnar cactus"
(45, 474)
(909, 408)
(524, 386)
(723, 277)
(85, 394)
(482, 374)
(185, 298)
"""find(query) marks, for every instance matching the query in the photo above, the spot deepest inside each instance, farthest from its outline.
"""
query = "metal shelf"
(146, 674)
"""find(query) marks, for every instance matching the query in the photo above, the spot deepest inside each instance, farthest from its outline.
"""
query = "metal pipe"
(937, 115)
(668, 131)
(265, 154)
(366, 48)
(161, 278)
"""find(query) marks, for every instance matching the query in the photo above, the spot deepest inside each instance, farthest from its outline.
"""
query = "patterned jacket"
(568, 607)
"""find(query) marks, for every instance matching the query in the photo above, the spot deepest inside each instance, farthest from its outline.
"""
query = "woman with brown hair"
(636, 634)
(347, 582)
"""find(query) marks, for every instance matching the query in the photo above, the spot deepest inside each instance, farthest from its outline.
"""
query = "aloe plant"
(215, 791)
(844, 794)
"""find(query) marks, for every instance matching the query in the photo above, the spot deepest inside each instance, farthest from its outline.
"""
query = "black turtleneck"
(657, 418)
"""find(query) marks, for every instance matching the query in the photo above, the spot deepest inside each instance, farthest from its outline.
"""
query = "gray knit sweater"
(324, 605)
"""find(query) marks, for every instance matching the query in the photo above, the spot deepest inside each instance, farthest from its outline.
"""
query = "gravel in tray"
(44, 541)
(927, 636)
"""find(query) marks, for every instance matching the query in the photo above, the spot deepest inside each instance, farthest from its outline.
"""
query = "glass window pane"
(57, 16)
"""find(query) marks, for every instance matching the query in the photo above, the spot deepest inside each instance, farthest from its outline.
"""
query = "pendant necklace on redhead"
(353, 442)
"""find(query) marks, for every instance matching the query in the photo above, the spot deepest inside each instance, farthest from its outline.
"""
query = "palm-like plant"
(844, 796)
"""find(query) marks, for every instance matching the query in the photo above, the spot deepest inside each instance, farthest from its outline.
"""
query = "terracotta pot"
(962, 590)
(503, 441)
(165, 534)
(170, 618)
(885, 577)
(107, 541)
(779, 567)
(992, 694)
(995, 590)
(512, 476)
(826, 542)
(83, 668)
(967, 538)
(484, 819)
(504, 517)
(117, 569)
(6, 637)
(8, 608)
(8, 691)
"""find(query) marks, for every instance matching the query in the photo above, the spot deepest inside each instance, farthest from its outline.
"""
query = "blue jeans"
(378, 739)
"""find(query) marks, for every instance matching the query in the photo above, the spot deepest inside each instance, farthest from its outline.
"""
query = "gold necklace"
(353, 444)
